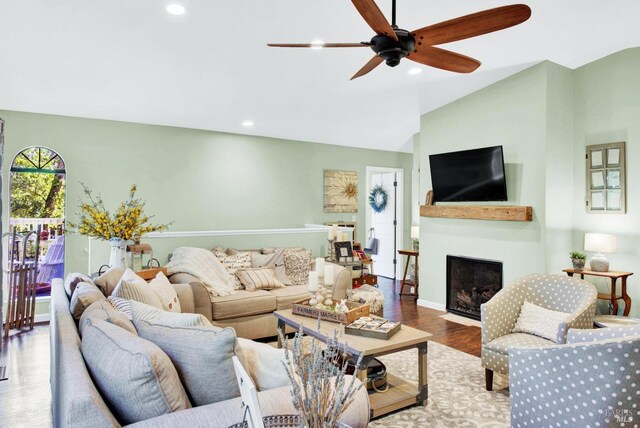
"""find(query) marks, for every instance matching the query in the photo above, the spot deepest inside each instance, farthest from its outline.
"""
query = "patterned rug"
(457, 397)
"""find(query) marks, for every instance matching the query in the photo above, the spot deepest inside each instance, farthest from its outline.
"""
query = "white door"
(384, 226)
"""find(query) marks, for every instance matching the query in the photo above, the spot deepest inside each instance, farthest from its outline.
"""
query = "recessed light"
(317, 44)
(247, 123)
(415, 70)
(176, 9)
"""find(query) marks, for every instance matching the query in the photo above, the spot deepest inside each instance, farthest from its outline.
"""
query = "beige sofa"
(76, 402)
(250, 313)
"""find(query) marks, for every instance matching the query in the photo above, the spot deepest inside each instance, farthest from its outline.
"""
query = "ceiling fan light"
(317, 44)
(415, 70)
(176, 9)
(247, 123)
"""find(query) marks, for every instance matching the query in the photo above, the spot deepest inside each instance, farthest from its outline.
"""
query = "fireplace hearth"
(470, 283)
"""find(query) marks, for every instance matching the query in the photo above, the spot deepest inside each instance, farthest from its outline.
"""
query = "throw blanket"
(205, 266)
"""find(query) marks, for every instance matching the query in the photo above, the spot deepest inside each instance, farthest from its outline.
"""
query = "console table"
(612, 297)
(410, 283)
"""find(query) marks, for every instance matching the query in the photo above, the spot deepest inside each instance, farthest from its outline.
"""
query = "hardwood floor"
(25, 398)
(457, 336)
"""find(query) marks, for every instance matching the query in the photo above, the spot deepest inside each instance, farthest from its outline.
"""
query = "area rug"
(457, 397)
(457, 394)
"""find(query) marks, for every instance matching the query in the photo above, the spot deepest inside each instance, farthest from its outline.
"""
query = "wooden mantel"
(478, 212)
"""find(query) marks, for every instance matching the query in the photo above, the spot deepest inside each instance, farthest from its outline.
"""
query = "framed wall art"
(340, 191)
(606, 184)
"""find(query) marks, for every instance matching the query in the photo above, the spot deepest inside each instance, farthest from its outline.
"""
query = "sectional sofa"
(250, 313)
(77, 402)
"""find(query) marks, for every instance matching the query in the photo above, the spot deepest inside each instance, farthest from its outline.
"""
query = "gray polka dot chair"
(499, 315)
(592, 381)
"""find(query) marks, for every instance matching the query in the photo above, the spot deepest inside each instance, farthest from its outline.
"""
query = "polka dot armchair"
(499, 315)
(593, 380)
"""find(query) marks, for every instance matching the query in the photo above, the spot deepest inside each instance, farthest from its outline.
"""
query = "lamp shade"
(415, 232)
(599, 242)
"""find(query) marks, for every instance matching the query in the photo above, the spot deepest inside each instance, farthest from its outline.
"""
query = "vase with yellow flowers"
(129, 222)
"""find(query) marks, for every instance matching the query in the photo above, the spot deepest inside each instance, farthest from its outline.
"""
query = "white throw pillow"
(132, 287)
(165, 291)
(264, 364)
(152, 315)
(539, 321)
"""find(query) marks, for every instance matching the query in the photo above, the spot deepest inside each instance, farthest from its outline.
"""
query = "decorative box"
(356, 310)
(375, 328)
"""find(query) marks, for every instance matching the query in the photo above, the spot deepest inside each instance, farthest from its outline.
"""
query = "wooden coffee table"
(401, 393)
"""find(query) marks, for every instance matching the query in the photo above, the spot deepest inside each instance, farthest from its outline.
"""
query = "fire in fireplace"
(470, 283)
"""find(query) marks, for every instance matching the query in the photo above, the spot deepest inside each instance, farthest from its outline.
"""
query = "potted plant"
(578, 259)
(129, 222)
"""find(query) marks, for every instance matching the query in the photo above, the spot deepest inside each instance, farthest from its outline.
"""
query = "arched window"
(37, 199)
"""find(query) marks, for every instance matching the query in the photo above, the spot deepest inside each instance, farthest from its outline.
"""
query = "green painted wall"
(544, 117)
(201, 180)
(607, 110)
(511, 113)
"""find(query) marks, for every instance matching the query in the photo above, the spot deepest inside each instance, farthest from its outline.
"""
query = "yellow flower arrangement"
(128, 223)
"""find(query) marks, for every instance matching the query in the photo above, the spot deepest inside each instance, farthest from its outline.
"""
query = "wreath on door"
(378, 198)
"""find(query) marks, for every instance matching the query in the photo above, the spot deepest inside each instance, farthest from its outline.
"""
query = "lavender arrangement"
(318, 380)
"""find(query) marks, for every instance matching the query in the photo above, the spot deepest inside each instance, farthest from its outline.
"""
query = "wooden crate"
(149, 274)
(302, 307)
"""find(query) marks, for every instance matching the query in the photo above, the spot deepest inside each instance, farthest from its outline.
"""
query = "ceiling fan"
(392, 43)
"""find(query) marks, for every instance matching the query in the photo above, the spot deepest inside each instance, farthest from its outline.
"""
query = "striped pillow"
(155, 316)
(122, 305)
(258, 279)
(132, 287)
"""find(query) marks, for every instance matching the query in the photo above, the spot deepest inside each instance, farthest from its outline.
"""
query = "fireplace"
(470, 283)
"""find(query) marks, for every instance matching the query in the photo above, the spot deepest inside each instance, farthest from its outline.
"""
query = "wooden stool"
(409, 283)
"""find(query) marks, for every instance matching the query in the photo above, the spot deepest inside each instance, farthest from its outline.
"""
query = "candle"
(320, 266)
(328, 274)
(334, 231)
(313, 281)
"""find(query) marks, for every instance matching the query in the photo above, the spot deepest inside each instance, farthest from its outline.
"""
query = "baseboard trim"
(431, 305)
(42, 318)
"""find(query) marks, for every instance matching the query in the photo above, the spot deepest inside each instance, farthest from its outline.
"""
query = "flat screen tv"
(469, 175)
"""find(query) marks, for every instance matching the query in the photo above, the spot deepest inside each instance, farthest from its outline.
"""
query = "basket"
(356, 310)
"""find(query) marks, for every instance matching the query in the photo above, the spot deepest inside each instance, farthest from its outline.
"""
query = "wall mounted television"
(469, 175)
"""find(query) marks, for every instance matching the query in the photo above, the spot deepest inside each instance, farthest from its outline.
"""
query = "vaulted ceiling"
(211, 69)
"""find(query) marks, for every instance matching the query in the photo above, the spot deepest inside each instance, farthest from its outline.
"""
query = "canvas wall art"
(340, 191)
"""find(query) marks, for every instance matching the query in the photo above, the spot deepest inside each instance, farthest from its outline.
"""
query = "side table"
(405, 281)
(612, 297)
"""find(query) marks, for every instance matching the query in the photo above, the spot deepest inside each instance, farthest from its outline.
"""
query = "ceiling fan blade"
(472, 25)
(443, 59)
(374, 17)
(318, 45)
(373, 63)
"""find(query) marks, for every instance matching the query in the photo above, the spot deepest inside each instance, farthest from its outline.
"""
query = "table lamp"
(600, 243)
